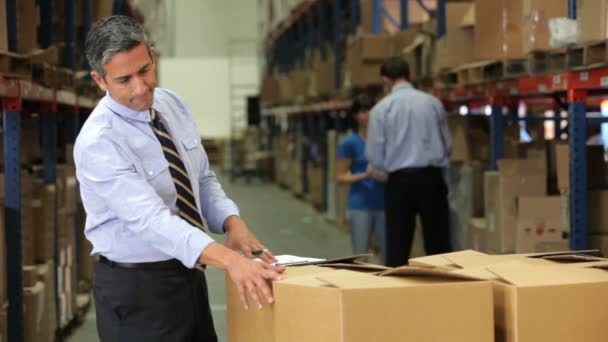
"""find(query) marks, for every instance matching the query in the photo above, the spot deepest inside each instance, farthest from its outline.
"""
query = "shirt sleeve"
(215, 205)
(375, 146)
(444, 129)
(102, 167)
(345, 149)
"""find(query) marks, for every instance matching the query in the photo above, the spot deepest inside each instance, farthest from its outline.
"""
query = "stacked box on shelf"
(364, 56)
(33, 306)
(592, 20)
(507, 29)
(457, 47)
(324, 81)
(597, 181)
(416, 14)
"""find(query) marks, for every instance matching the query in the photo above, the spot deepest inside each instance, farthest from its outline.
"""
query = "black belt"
(158, 265)
(413, 170)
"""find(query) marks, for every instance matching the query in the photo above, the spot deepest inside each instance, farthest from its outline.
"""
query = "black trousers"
(412, 192)
(152, 305)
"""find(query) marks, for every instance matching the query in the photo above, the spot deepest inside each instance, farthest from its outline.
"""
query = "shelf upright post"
(70, 35)
(11, 108)
(577, 134)
(496, 131)
(441, 18)
(405, 18)
(337, 42)
(377, 16)
(323, 28)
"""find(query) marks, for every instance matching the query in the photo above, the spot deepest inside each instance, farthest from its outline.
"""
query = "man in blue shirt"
(408, 137)
(145, 181)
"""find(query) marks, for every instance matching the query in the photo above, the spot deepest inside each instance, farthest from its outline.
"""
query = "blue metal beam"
(337, 42)
(45, 38)
(578, 173)
(355, 15)
(572, 12)
(11, 25)
(87, 19)
(12, 210)
(323, 28)
(405, 15)
(376, 16)
(441, 18)
(70, 35)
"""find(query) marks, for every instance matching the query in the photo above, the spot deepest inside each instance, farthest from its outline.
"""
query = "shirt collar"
(402, 85)
(126, 111)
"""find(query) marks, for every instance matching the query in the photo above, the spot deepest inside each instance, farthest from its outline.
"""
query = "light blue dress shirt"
(127, 190)
(408, 128)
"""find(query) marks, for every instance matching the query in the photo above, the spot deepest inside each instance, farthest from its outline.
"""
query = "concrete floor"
(285, 224)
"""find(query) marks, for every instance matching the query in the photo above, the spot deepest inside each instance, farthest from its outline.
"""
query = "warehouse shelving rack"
(575, 91)
(54, 106)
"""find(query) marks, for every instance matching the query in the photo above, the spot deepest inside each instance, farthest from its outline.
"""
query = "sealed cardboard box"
(516, 177)
(592, 20)
(33, 299)
(539, 222)
(599, 242)
(423, 304)
(44, 219)
(597, 213)
(457, 47)
(530, 301)
(597, 168)
(537, 13)
(498, 29)
(49, 318)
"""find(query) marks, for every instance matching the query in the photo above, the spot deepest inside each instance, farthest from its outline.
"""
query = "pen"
(257, 252)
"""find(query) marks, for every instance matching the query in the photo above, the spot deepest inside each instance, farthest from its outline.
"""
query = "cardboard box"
(596, 211)
(30, 275)
(371, 47)
(44, 218)
(477, 234)
(33, 300)
(597, 168)
(530, 301)
(461, 148)
(457, 47)
(3, 31)
(537, 13)
(498, 29)
(28, 20)
(538, 221)
(516, 178)
(591, 20)
(355, 306)
(599, 242)
(416, 15)
(49, 319)
(3, 323)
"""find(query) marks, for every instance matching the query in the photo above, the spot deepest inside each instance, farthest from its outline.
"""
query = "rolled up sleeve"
(215, 205)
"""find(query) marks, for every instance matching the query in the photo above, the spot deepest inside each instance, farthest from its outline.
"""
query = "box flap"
(469, 261)
(357, 266)
(595, 252)
(347, 259)
(525, 275)
(414, 271)
(469, 18)
(442, 260)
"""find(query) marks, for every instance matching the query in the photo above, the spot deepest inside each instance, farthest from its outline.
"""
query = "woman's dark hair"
(362, 102)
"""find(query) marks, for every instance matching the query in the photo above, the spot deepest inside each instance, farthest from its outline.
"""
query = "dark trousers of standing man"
(152, 305)
(411, 192)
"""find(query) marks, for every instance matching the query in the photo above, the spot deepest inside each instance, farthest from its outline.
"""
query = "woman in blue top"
(366, 197)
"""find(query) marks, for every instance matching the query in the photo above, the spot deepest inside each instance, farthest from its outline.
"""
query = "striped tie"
(185, 197)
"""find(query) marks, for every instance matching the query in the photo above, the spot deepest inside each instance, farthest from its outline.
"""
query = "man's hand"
(249, 276)
(240, 238)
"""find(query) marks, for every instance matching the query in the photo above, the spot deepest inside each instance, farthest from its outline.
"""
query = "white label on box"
(557, 79)
(604, 81)
(584, 76)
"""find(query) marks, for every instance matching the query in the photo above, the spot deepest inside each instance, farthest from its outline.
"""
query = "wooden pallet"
(587, 55)
(491, 71)
(558, 61)
(45, 74)
(66, 79)
(15, 65)
(538, 63)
